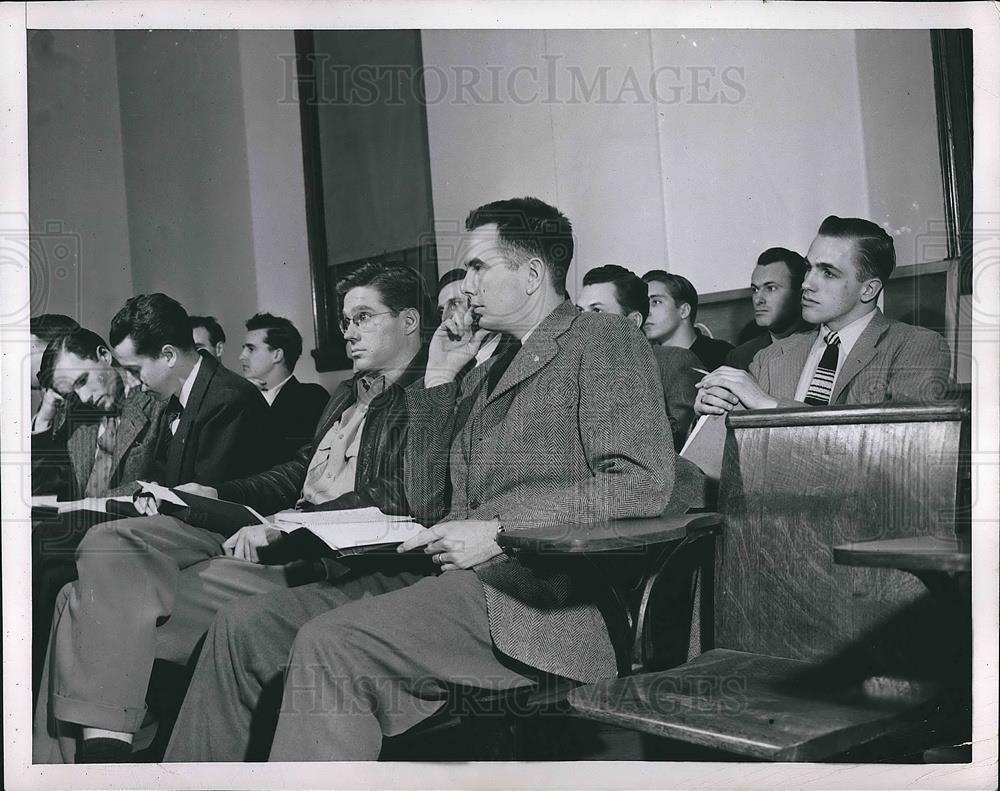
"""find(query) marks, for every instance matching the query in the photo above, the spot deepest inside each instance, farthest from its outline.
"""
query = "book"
(219, 516)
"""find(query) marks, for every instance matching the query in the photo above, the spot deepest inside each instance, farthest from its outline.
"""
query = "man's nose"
(469, 285)
(352, 332)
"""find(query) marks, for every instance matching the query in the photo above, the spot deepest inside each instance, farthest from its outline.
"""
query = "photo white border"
(16, 18)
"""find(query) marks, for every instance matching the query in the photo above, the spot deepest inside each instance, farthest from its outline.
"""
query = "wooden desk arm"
(607, 536)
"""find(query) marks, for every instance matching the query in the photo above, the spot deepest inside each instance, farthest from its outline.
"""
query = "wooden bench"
(814, 658)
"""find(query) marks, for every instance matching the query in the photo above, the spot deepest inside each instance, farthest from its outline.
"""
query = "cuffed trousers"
(148, 588)
(356, 667)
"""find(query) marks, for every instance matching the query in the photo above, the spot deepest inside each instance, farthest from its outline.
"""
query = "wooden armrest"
(607, 536)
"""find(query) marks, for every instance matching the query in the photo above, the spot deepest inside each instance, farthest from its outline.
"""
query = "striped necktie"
(821, 386)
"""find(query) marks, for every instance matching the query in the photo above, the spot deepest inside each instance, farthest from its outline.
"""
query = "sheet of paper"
(348, 516)
(345, 535)
(86, 504)
(44, 501)
(706, 444)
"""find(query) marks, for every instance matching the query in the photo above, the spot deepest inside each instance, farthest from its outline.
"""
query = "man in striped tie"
(856, 355)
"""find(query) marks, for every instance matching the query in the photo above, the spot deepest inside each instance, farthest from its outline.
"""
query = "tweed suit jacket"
(575, 433)
(135, 446)
(891, 361)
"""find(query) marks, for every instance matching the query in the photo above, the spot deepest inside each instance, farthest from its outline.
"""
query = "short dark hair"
(152, 321)
(779, 255)
(49, 326)
(449, 277)
(400, 286)
(82, 342)
(876, 251)
(280, 334)
(631, 291)
(212, 327)
(680, 289)
(528, 227)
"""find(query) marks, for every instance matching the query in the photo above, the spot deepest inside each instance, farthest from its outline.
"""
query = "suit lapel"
(82, 447)
(787, 369)
(285, 392)
(539, 350)
(198, 391)
(862, 353)
(133, 420)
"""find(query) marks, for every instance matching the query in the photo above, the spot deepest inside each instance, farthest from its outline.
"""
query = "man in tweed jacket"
(568, 430)
(878, 359)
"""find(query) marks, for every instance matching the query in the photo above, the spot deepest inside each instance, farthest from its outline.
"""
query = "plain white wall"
(277, 191)
(76, 177)
(692, 150)
(902, 155)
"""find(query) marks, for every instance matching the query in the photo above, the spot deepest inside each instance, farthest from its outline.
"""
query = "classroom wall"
(190, 184)
(172, 158)
(76, 177)
(692, 150)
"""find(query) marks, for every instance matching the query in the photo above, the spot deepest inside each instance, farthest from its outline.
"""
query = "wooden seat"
(835, 655)
(753, 705)
(921, 553)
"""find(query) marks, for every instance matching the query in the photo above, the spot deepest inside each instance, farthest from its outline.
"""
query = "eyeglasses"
(362, 320)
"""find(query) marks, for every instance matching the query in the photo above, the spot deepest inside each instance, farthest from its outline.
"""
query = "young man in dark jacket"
(150, 586)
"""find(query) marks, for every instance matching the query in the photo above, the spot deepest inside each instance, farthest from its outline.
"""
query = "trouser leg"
(246, 650)
(380, 666)
(105, 641)
(201, 590)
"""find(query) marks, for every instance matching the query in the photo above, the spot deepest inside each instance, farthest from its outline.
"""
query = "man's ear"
(535, 275)
(411, 320)
(635, 316)
(279, 354)
(870, 290)
(104, 355)
(169, 353)
(218, 349)
(684, 310)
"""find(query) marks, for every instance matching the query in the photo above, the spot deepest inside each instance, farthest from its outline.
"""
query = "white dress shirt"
(272, 392)
(185, 393)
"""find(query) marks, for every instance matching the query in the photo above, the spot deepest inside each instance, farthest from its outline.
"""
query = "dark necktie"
(170, 414)
(821, 386)
(500, 363)
(100, 474)
(174, 411)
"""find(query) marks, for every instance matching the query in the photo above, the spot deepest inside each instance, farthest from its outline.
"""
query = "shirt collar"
(189, 383)
(848, 335)
(271, 393)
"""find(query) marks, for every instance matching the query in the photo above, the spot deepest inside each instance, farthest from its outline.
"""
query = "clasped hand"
(461, 544)
(726, 388)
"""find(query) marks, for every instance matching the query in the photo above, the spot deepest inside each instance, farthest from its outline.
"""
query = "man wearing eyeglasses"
(177, 584)
(565, 428)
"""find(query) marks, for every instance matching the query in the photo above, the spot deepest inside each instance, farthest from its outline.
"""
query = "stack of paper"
(357, 527)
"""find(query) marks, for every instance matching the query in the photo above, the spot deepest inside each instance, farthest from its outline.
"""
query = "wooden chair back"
(797, 482)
